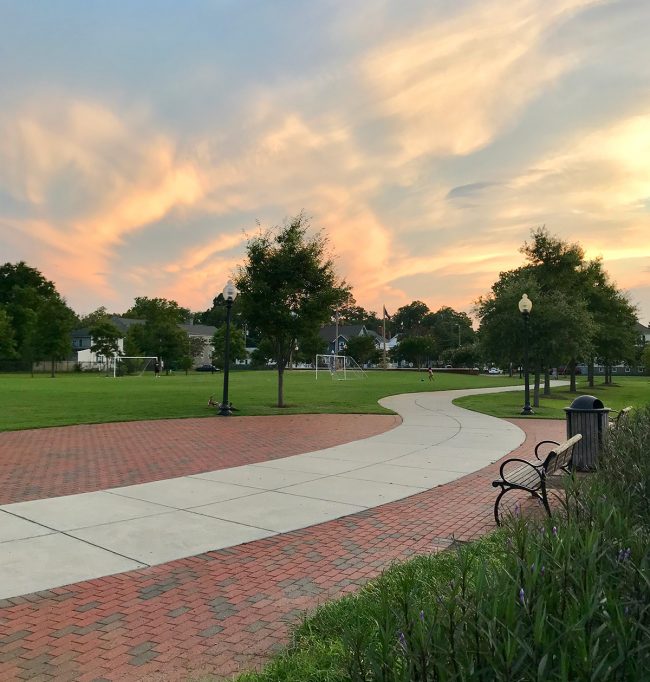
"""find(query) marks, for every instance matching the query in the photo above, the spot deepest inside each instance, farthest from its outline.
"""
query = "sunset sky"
(141, 141)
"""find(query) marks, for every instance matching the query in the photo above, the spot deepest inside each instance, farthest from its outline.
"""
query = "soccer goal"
(339, 367)
(132, 365)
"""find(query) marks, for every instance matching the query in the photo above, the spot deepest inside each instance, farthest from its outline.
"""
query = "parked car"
(494, 370)
(207, 368)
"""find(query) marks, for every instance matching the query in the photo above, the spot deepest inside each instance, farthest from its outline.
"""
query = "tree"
(309, 347)
(645, 356)
(23, 291)
(7, 341)
(99, 315)
(161, 338)
(362, 349)
(157, 310)
(451, 329)
(351, 313)
(409, 318)
(288, 288)
(105, 339)
(54, 325)
(237, 346)
(416, 349)
(195, 347)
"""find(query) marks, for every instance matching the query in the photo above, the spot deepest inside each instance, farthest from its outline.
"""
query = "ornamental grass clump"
(566, 598)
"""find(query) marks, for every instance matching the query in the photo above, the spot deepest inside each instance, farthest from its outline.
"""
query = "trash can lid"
(587, 402)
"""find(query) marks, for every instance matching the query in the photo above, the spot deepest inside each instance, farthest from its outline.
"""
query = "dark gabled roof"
(124, 323)
(347, 331)
(641, 329)
(198, 329)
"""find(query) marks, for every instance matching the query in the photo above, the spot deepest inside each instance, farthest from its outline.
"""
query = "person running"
(430, 370)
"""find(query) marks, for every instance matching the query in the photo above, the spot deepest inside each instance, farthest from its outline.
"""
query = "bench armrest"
(543, 442)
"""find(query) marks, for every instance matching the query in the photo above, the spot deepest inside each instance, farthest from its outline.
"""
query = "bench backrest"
(560, 457)
(621, 417)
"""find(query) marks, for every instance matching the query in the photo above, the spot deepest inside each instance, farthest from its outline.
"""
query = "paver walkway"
(230, 608)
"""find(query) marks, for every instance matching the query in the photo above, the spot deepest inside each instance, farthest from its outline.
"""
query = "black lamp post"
(525, 306)
(229, 294)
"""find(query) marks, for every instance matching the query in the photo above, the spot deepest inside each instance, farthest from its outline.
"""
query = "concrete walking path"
(57, 541)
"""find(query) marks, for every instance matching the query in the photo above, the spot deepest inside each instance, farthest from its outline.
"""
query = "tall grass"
(566, 598)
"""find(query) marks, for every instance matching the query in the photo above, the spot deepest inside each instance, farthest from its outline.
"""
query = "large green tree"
(23, 292)
(236, 350)
(53, 328)
(450, 328)
(157, 310)
(105, 339)
(7, 340)
(362, 349)
(409, 319)
(418, 350)
(288, 288)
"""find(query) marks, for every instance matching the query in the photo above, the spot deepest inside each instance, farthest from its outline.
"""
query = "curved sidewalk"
(100, 533)
(228, 610)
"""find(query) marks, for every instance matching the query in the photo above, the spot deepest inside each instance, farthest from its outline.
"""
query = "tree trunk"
(52, 369)
(572, 385)
(590, 372)
(536, 388)
(547, 381)
(280, 384)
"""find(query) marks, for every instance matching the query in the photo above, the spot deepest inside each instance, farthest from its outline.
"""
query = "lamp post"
(229, 295)
(525, 306)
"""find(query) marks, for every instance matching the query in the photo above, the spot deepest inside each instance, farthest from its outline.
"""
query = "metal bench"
(519, 474)
(620, 419)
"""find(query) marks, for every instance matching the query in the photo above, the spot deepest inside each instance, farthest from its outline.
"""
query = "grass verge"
(626, 391)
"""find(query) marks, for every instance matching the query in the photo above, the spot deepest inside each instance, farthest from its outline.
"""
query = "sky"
(142, 143)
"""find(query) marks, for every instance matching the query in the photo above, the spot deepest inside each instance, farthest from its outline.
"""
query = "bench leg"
(541, 497)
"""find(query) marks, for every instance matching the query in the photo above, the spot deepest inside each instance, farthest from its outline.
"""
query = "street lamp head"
(525, 305)
(230, 291)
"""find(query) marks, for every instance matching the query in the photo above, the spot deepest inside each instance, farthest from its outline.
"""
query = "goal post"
(339, 367)
(134, 365)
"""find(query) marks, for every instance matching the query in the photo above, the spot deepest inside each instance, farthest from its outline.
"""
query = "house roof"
(642, 329)
(347, 331)
(198, 329)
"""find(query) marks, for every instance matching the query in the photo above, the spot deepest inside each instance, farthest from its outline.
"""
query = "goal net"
(132, 365)
(339, 367)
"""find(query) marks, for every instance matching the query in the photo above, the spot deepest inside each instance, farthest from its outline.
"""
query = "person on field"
(430, 371)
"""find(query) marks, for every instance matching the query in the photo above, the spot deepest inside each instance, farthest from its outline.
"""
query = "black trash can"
(587, 415)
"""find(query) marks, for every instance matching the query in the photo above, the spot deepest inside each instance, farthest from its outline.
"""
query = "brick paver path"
(50, 462)
(227, 610)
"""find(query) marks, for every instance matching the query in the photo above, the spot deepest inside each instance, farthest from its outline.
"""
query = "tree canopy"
(288, 288)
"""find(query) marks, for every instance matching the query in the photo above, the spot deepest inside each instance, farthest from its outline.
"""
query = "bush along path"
(561, 599)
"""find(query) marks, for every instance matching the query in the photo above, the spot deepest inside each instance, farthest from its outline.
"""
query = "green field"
(633, 391)
(32, 402)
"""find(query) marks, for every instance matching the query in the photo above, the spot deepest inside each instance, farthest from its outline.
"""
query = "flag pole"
(383, 333)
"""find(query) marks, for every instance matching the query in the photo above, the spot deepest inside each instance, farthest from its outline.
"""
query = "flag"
(386, 315)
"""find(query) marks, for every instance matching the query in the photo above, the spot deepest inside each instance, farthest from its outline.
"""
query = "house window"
(627, 369)
(614, 370)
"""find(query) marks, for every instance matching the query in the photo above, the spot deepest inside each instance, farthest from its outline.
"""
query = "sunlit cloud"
(407, 134)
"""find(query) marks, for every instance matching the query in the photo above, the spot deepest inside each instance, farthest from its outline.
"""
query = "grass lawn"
(633, 391)
(33, 402)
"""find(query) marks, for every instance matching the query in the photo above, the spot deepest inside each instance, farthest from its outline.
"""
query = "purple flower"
(542, 570)
(522, 595)
(554, 531)
(517, 510)
(401, 640)
(532, 568)
(422, 616)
